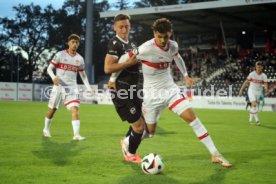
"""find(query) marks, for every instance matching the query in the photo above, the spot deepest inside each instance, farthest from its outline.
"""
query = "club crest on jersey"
(77, 61)
(132, 110)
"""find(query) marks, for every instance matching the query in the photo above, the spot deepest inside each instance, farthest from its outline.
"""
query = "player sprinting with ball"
(160, 91)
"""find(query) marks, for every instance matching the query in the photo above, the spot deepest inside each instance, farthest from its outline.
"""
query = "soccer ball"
(152, 164)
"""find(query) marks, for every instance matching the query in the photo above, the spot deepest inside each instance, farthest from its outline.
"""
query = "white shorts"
(254, 95)
(68, 95)
(156, 100)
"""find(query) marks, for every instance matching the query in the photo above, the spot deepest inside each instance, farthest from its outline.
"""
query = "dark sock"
(134, 141)
(129, 131)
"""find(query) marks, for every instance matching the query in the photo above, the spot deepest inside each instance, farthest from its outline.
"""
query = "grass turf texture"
(27, 157)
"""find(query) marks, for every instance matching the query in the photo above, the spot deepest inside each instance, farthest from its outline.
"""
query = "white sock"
(47, 123)
(251, 117)
(251, 113)
(203, 136)
(126, 140)
(255, 114)
(76, 127)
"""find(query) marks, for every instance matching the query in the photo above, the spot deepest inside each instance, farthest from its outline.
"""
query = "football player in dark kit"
(124, 91)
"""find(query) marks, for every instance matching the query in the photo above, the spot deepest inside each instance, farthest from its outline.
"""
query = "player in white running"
(68, 63)
(256, 80)
(160, 91)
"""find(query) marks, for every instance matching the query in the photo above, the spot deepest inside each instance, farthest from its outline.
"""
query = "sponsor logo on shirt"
(163, 65)
(68, 67)
(256, 81)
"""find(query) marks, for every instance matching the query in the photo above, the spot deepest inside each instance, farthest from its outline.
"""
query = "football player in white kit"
(160, 91)
(68, 63)
(256, 80)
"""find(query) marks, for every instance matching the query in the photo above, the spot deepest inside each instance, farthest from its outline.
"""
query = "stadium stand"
(235, 71)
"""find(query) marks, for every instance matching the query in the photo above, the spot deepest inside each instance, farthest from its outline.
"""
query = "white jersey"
(256, 81)
(67, 67)
(156, 63)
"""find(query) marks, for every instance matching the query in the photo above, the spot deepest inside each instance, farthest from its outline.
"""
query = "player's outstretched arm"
(266, 92)
(85, 80)
(111, 63)
(123, 59)
(181, 66)
(245, 83)
(50, 71)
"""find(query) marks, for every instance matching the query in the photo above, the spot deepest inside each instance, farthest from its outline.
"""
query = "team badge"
(132, 110)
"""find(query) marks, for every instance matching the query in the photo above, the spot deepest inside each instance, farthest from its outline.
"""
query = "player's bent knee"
(188, 115)
(254, 104)
(51, 113)
(138, 127)
(74, 110)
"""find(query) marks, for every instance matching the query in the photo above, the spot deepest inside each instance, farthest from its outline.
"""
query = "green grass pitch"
(27, 157)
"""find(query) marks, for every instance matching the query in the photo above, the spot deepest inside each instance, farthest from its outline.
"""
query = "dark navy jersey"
(118, 47)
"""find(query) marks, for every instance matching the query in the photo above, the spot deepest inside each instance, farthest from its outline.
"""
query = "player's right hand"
(56, 81)
(90, 92)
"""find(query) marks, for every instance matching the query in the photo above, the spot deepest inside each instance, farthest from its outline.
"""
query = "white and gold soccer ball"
(152, 164)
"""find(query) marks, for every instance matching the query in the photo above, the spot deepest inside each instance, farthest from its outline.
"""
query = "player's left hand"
(189, 81)
(91, 91)
(111, 85)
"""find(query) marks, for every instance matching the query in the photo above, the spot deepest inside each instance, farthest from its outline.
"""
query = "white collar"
(126, 42)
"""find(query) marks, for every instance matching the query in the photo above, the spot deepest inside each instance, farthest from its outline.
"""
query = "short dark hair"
(73, 37)
(259, 63)
(162, 25)
(121, 16)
